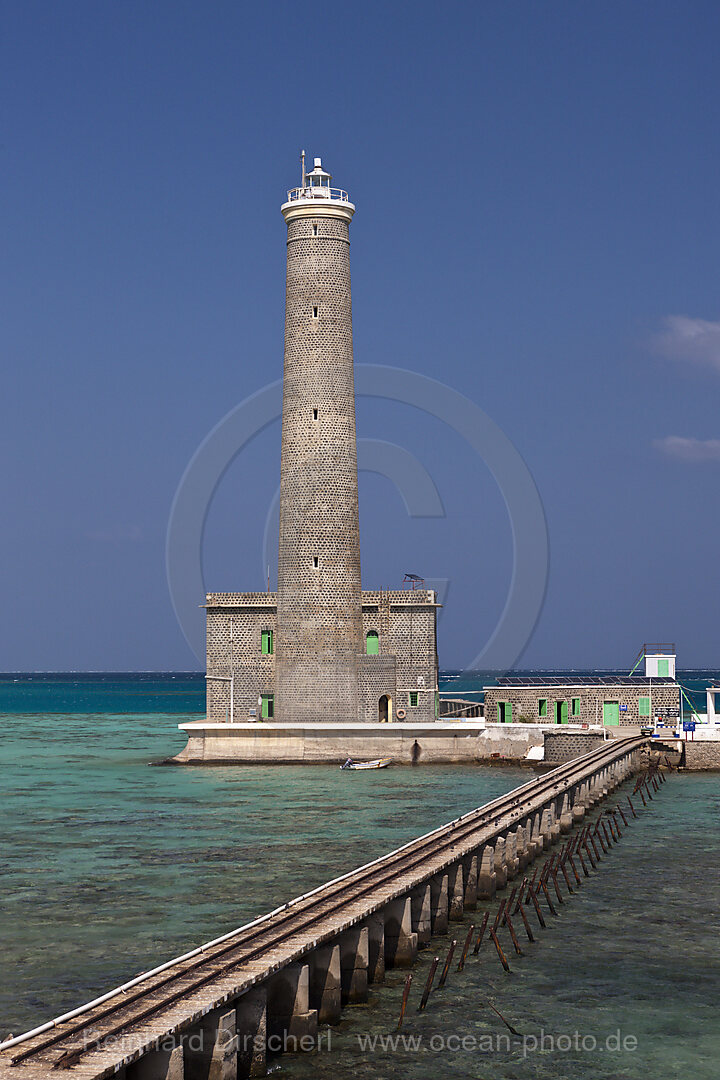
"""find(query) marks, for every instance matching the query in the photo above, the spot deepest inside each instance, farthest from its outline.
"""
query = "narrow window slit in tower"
(315, 414)
(315, 311)
(316, 561)
(314, 230)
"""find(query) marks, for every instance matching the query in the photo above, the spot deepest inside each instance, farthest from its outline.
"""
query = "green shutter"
(663, 668)
(267, 710)
(372, 644)
(542, 707)
(644, 706)
(413, 698)
(266, 642)
(564, 713)
(576, 706)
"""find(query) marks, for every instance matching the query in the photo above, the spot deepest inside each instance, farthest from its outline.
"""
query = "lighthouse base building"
(396, 674)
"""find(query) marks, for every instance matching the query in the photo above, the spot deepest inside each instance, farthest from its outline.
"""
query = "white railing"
(336, 194)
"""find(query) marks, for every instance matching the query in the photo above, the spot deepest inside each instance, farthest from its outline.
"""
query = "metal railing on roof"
(333, 193)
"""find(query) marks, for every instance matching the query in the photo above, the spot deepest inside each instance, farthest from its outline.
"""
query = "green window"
(663, 668)
(267, 708)
(644, 706)
(575, 709)
(372, 643)
(542, 707)
(266, 642)
(504, 712)
(413, 698)
(437, 704)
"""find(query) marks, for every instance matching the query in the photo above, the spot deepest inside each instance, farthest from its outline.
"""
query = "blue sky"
(537, 227)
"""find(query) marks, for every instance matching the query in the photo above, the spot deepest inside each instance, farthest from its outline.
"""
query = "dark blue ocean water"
(184, 692)
(109, 866)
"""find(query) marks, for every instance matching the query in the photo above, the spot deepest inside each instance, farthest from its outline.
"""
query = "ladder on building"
(384, 611)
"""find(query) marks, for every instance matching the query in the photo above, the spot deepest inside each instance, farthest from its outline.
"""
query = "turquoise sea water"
(110, 866)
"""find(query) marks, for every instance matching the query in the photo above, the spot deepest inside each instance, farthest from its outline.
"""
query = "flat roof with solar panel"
(579, 680)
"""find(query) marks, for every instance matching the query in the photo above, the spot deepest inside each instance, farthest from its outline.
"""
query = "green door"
(611, 713)
(564, 713)
(663, 669)
(504, 712)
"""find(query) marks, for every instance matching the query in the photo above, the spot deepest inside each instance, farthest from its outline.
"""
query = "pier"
(216, 1012)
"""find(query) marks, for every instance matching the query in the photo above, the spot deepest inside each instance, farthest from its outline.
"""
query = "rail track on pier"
(62, 1043)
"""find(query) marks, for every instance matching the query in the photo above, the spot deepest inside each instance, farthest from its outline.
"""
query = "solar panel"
(580, 680)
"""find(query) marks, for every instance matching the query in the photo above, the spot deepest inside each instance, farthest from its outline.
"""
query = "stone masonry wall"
(525, 702)
(319, 622)
(561, 747)
(234, 648)
(407, 632)
(407, 659)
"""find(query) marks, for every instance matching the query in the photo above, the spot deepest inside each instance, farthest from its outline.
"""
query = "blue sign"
(688, 725)
(623, 708)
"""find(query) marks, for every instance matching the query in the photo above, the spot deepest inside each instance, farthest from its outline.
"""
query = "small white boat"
(379, 763)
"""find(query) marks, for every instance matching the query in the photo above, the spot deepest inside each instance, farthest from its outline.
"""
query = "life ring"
(401, 714)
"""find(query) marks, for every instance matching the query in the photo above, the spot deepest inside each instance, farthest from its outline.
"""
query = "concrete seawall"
(406, 743)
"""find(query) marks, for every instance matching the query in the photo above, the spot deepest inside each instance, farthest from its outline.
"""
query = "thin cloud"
(694, 341)
(688, 450)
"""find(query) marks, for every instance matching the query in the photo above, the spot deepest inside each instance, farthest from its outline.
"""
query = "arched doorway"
(385, 709)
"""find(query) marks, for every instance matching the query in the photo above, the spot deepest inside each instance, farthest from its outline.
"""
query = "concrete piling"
(375, 924)
(421, 901)
(401, 943)
(251, 1023)
(470, 878)
(439, 903)
(501, 876)
(291, 1023)
(211, 1054)
(512, 861)
(325, 983)
(566, 814)
(158, 1065)
(354, 964)
(456, 893)
(487, 881)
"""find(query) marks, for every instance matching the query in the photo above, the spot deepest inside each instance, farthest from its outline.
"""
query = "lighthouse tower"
(319, 650)
(319, 636)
